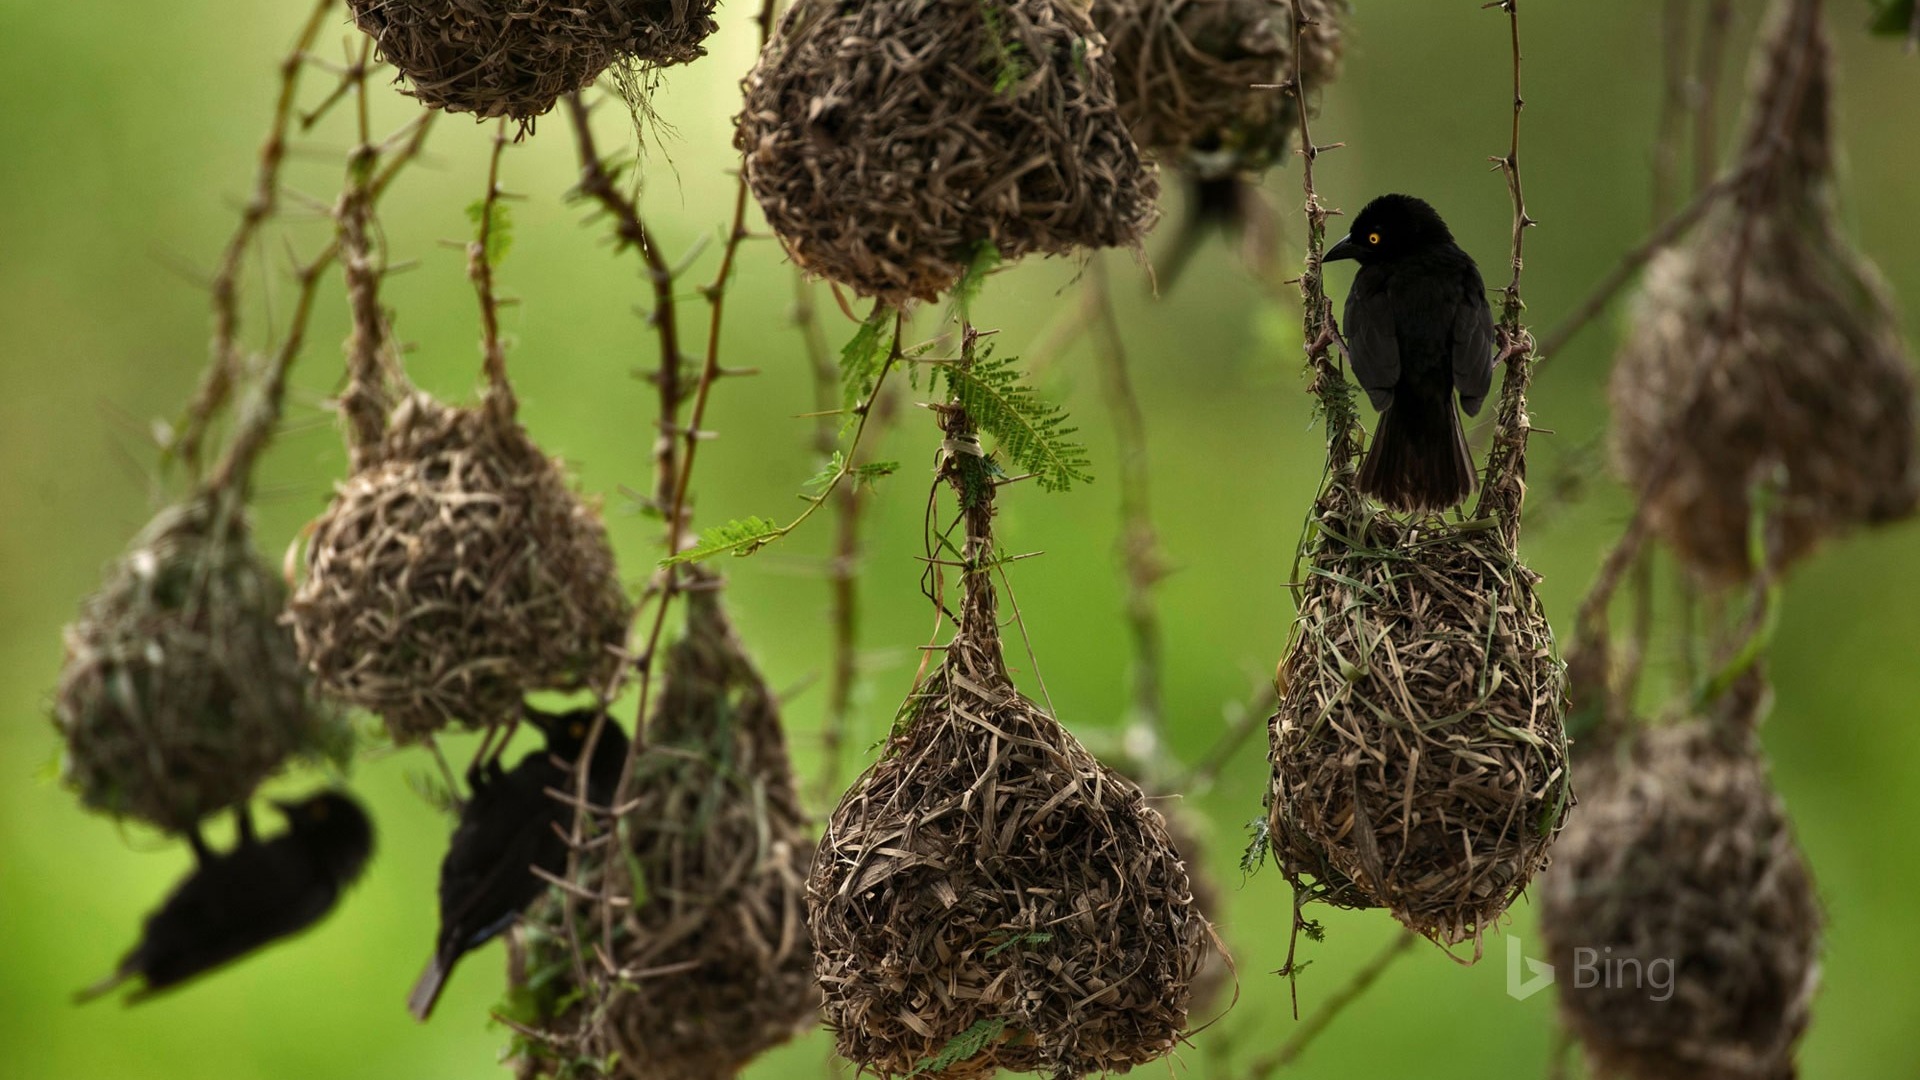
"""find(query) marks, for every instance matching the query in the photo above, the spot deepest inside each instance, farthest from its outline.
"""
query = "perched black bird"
(1420, 329)
(510, 825)
(261, 891)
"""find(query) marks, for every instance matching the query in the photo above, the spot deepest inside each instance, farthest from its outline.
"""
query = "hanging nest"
(716, 966)
(456, 572)
(1215, 981)
(1196, 79)
(1419, 750)
(888, 141)
(988, 895)
(1815, 382)
(181, 691)
(1681, 857)
(515, 58)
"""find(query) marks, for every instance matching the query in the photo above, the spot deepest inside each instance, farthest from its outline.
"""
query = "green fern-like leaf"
(1031, 431)
(865, 476)
(742, 537)
(1031, 937)
(961, 1047)
(1259, 843)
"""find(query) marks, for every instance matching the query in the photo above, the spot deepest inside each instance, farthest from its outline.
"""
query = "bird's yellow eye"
(1373, 238)
(578, 730)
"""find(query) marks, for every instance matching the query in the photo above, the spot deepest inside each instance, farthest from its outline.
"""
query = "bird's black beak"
(1345, 249)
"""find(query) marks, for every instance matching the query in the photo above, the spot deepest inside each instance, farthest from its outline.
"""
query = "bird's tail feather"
(1419, 459)
(426, 992)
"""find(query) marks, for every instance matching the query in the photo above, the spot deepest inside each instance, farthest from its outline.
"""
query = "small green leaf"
(1259, 844)
(862, 360)
(1031, 937)
(742, 537)
(1031, 431)
(865, 476)
(961, 1047)
(819, 482)
(498, 233)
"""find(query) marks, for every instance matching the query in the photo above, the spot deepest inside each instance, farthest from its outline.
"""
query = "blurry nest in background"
(1816, 381)
(1680, 854)
(1197, 80)
(515, 58)
(888, 141)
(1419, 758)
(1214, 980)
(456, 573)
(711, 940)
(988, 895)
(181, 691)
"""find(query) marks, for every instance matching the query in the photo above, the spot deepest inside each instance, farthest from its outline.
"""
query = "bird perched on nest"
(235, 902)
(1419, 327)
(510, 826)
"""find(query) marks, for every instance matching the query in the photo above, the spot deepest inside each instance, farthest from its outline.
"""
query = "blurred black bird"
(262, 890)
(510, 825)
(1419, 327)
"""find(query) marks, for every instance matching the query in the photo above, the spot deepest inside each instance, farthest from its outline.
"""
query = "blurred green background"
(130, 140)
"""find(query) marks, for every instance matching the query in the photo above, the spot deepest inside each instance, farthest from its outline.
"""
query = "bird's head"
(567, 733)
(334, 827)
(1391, 227)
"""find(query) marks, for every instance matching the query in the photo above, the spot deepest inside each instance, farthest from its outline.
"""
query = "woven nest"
(888, 141)
(1816, 382)
(515, 58)
(1419, 758)
(1214, 982)
(716, 967)
(988, 895)
(454, 574)
(1195, 78)
(1681, 857)
(181, 690)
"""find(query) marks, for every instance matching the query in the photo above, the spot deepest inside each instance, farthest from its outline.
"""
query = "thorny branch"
(224, 361)
(480, 259)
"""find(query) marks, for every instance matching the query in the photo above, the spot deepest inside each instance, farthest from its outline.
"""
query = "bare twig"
(1139, 542)
(224, 361)
(1669, 137)
(1316, 1022)
(1706, 91)
(262, 415)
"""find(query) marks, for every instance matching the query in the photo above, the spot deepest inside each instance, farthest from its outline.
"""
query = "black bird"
(510, 825)
(261, 891)
(1419, 328)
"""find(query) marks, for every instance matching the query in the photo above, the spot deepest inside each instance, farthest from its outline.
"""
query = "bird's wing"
(232, 906)
(1371, 338)
(1473, 347)
(485, 880)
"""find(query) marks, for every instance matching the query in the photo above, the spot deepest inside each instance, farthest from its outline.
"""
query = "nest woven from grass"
(1816, 381)
(1419, 757)
(1195, 78)
(1681, 855)
(988, 895)
(455, 573)
(181, 691)
(714, 952)
(888, 141)
(515, 58)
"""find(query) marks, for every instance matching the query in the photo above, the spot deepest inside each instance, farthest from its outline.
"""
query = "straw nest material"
(888, 141)
(1815, 381)
(1195, 78)
(181, 690)
(1215, 983)
(1679, 874)
(516, 58)
(714, 956)
(1419, 758)
(456, 572)
(988, 895)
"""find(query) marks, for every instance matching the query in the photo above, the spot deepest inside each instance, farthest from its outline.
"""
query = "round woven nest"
(456, 572)
(716, 966)
(1816, 382)
(1419, 757)
(888, 141)
(181, 691)
(988, 895)
(515, 58)
(1195, 78)
(1680, 866)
